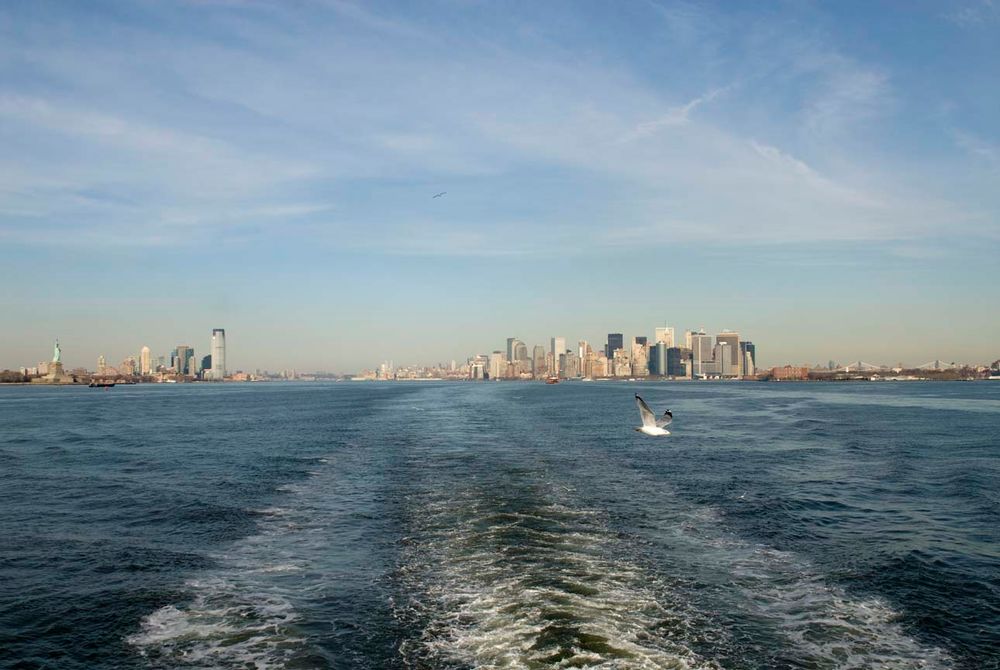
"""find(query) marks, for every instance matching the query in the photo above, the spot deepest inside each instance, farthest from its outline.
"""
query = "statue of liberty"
(57, 353)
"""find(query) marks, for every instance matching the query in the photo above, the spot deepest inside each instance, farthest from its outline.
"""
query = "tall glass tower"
(615, 341)
(218, 353)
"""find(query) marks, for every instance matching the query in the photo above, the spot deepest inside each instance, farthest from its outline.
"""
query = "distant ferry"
(552, 380)
(101, 385)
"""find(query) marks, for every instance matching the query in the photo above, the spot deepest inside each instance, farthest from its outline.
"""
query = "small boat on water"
(552, 380)
(101, 385)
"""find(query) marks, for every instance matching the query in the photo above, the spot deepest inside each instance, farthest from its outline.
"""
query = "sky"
(823, 178)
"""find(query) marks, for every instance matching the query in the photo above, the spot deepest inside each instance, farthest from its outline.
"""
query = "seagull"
(439, 194)
(650, 424)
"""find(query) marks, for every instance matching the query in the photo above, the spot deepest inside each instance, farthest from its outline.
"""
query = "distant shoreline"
(526, 381)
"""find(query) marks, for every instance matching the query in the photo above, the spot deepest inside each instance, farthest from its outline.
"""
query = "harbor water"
(513, 525)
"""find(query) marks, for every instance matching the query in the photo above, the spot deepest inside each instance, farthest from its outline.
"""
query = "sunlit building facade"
(218, 354)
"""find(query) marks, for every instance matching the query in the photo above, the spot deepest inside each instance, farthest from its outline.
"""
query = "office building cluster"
(180, 365)
(698, 356)
(182, 361)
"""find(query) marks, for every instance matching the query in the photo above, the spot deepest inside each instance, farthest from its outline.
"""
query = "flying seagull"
(650, 424)
(439, 194)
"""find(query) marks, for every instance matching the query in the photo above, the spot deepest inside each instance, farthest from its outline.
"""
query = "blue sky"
(822, 177)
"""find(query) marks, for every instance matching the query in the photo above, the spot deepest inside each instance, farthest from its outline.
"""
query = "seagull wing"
(666, 419)
(648, 418)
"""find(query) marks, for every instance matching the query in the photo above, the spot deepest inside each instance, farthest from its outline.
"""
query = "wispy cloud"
(361, 14)
(978, 147)
(850, 94)
(277, 117)
(299, 144)
(675, 116)
(974, 14)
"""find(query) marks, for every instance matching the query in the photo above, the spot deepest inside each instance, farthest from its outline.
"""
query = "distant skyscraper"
(206, 365)
(145, 361)
(510, 348)
(101, 364)
(185, 355)
(615, 341)
(538, 361)
(701, 353)
(665, 335)
(658, 359)
(748, 354)
(558, 347)
(733, 341)
(640, 359)
(128, 366)
(569, 365)
(218, 353)
(676, 360)
(588, 366)
(621, 364)
(600, 365)
(497, 365)
(520, 351)
(724, 363)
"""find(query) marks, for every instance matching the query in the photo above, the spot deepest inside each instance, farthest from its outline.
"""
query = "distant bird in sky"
(650, 424)
(439, 194)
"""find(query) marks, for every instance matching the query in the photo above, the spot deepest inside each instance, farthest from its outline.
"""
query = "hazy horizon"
(825, 180)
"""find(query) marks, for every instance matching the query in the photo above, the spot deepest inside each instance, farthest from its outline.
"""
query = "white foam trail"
(237, 615)
(524, 590)
(221, 627)
(553, 586)
(821, 624)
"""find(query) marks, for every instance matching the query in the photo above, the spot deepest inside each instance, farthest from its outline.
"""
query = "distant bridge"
(937, 365)
(861, 366)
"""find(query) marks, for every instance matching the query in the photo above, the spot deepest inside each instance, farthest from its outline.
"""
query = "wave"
(544, 585)
(236, 616)
(224, 626)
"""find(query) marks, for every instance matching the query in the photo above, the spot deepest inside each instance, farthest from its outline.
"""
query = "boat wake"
(499, 584)
(532, 579)
(238, 616)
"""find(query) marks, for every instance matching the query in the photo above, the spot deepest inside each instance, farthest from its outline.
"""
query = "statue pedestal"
(56, 375)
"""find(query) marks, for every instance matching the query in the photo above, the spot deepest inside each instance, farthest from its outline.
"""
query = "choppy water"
(504, 525)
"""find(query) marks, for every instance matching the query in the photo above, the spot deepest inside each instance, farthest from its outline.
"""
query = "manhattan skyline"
(825, 177)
